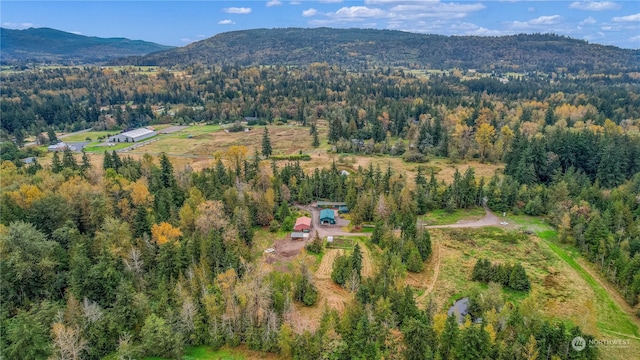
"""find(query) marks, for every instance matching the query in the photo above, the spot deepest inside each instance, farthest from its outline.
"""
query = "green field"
(611, 318)
(204, 353)
(94, 135)
(442, 217)
(94, 147)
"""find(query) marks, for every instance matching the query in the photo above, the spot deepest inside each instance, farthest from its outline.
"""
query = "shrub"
(414, 156)
(274, 225)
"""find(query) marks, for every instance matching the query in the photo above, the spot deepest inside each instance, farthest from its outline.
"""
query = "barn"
(133, 135)
(327, 216)
(302, 224)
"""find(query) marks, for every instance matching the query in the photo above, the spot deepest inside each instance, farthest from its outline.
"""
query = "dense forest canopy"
(362, 49)
(50, 46)
(108, 254)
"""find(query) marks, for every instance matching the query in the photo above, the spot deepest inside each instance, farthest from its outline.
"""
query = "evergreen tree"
(51, 134)
(414, 261)
(518, 279)
(166, 172)
(141, 223)
(68, 161)
(341, 269)
(316, 139)
(335, 130)
(117, 162)
(449, 338)
(378, 232)
(266, 144)
(86, 163)
(107, 161)
(549, 117)
(356, 260)
(423, 244)
(418, 337)
(474, 344)
(56, 164)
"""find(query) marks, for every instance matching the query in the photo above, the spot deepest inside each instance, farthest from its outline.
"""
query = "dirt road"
(489, 219)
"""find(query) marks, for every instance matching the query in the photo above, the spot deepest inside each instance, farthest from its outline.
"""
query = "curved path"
(489, 219)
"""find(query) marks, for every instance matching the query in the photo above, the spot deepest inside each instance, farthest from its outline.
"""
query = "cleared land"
(561, 287)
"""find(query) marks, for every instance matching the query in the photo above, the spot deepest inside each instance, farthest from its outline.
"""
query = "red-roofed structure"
(302, 224)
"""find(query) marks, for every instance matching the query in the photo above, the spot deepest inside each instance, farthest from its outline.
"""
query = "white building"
(61, 146)
(133, 135)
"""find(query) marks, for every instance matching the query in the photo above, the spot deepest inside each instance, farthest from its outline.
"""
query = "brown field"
(368, 266)
(326, 265)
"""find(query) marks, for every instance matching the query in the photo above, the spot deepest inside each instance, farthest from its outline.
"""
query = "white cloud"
(237, 10)
(294, 3)
(546, 20)
(531, 9)
(406, 15)
(481, 31)
(201, 36)
(76, 32)
(274, 3)
(226, 22)
(357, 12)
(19, 26)
(588, 21)
(628, 18)
(186, 40)
(537, 22)
(436, 9)
(309, 12)
(635, 38)
(330, 1)
(594, 5)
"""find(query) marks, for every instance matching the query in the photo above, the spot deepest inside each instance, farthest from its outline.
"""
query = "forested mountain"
(362, 48)
(45, 45)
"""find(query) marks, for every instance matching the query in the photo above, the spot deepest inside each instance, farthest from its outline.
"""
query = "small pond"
(460, 308)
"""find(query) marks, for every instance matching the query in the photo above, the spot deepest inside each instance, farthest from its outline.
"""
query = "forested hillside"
(143, 253)
(44, 45)
(361, 49)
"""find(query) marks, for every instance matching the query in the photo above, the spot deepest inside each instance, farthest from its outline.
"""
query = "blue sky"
(181, 22)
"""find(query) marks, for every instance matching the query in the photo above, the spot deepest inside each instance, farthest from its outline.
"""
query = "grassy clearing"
(97, 148)
(226, 353)
(94, 135)
(610, 315)
(442, 217)
(560, 290)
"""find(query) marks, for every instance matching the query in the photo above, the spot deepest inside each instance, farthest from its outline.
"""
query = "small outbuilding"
(329, 204)
(327, 216)
(133, 135)
(343, 209)
(302, 224)
(298, 235)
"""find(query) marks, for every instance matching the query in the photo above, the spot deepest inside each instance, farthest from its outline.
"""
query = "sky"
(179, 23)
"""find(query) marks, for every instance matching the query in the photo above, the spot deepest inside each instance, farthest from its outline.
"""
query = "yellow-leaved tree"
(484, 137)
(164, 232)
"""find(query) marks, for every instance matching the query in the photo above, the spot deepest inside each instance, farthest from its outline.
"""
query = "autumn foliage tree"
(164, 232)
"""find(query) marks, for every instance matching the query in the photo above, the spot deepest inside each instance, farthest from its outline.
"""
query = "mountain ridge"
(47, 45)
(361, 48)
